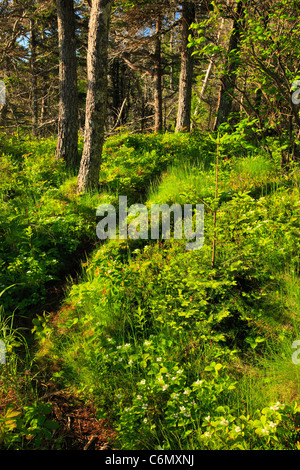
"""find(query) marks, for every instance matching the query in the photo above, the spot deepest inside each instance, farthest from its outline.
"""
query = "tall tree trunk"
(44, 92)
(229, 78)
(43, 108)
(34, 87)
(172, 59)
(67, 141)
(158, 79)
(208, 73)
(96, 100)
(186, 73)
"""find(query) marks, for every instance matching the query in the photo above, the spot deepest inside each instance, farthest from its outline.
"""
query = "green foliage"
(266, 67)
(158, 337)
(28, 428)
(132, 162)
(44, 223)
(269, 428)
(165, 344)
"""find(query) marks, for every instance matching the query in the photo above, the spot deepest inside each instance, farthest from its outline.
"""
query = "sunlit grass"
(147, 324)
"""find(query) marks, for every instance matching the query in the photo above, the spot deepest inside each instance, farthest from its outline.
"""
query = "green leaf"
(51, 424)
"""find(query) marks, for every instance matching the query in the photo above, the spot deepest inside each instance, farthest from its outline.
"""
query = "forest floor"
(140, 344)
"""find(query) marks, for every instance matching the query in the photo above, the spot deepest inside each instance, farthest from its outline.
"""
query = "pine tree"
(67, 141)
(186, 72)
(96, 100)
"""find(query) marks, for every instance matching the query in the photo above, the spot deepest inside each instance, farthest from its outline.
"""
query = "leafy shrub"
(28, 428)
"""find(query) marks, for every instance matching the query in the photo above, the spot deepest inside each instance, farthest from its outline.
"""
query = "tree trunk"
(185, 81)
(118, 91)
(158, 79)
(3, 113)
(67, 141)
(44, 92)
(172, 58)
(34, 88)
(208, 72)
(96, 100)
(229, 78)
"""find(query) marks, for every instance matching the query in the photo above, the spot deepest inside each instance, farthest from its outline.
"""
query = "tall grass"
(15, 374)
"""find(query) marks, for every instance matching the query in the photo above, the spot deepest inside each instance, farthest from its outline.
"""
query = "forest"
(149, 236)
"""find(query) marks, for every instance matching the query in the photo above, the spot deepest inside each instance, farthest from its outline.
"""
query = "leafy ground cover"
(173, 352)
(45, 226)
(47, 231)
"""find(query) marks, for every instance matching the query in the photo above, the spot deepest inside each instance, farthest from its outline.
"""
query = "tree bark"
(229, 78)
(96, 100)
(172, 59)
(44, 92)
(158, 126)
(67, 141)
(34, 86)
(186, 72)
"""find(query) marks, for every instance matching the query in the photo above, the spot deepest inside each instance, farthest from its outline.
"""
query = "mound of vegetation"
(175, 351)
(48, 230)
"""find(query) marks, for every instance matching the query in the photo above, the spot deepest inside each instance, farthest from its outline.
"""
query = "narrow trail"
(78, 425)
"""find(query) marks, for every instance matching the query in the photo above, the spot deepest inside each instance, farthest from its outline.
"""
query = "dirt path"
(79, 427)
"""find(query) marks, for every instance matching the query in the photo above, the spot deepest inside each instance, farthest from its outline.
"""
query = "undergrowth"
(173, 352)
